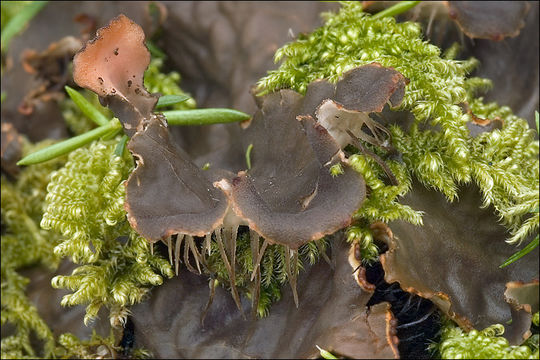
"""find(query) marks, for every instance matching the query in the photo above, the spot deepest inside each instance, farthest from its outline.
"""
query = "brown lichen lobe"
(346, 105)
(494, 20)
(289, 196)
(97, 70)
(466, 257)
(167, 194)
(112, 65)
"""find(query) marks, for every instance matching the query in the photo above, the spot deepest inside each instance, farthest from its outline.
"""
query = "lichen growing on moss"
(85, 204)
(442, 159)
(85, 201)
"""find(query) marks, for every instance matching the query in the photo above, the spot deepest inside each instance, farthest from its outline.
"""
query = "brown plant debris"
(11, 149)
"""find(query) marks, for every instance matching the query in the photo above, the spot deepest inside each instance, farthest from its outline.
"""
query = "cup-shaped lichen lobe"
(289, 196)
(114, 60)
(290, 180)
(283, 161)
(112, 65)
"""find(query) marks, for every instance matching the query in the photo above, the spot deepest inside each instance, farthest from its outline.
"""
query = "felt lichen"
(484, 344)
(351, 38)
(437, 147)
(117, 267)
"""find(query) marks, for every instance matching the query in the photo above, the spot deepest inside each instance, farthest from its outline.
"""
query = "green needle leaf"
(19, 21)
(168, 100)
(69, 145)
(248, 156)
(119, 150)
(112, 134)
(527, 249)
(204, 116)
(86, 107)
(326, 354)
(537, 118)
(397, 9)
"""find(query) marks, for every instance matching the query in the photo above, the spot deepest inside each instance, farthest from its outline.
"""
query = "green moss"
(25, 244)
(116, 266)
(485, 344)
(498, 163)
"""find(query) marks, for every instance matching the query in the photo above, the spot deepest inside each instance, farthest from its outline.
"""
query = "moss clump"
(506, 168)
(97, 347)
(25, 244)
(485, 344)
(85, 204)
